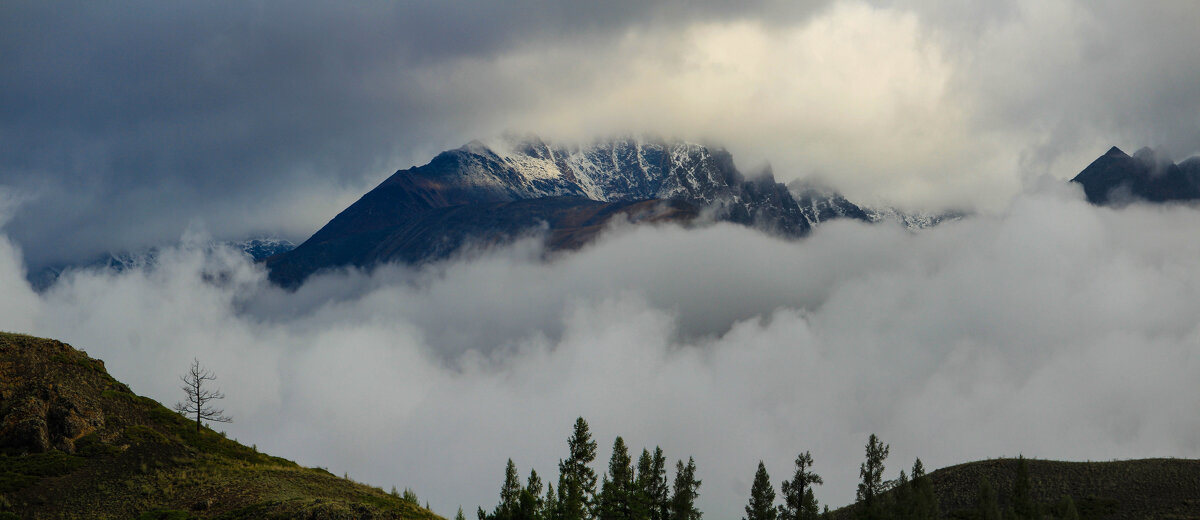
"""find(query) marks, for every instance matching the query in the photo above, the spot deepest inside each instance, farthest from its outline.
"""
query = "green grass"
(79, 361)
(20, 472)
(41, 464)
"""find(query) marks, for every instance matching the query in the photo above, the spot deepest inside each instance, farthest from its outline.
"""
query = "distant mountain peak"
(491, 191)
(1149, 175)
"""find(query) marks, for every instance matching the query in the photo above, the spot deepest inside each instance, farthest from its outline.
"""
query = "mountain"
(485, 194)
(256, 248)
(819, 203)
(1117, 178)
(76, 443)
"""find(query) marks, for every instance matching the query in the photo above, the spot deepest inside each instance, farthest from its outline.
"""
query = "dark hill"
(76, 443)
(1129, 489)
(1117, 178)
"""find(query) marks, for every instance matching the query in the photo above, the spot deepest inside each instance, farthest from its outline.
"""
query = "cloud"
(857, 94)
(1053, 329)
(269, 118)
(127, 123)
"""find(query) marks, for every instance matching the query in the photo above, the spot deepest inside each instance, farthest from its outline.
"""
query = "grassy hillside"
(76, 443)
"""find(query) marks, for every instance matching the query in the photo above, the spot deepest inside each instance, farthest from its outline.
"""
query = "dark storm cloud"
(125, 124)
(128, 121)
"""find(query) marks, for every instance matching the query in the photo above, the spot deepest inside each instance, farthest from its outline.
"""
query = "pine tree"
(925, 506)
(683, 502)
(617, 493)
(1068, 508)
(410, 496)
(652, 485)
(987, 506)
(870, 504)
(460, 515)
(762, 496)
(510, 496)
(799, 503)
(902, 503)
(577, 480)
(550, 504)
(642, 502)
(510, 493)
(1023, 506)
(530, 504)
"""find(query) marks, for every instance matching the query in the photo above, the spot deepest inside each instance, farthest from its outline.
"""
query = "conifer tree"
(530, 504)
(576, 479)
(652, 484)
(550, 504)
(510, 493)
(683, 502)
(1068, 508)
(987, 507)
(460, 515)
(617, 493)
(642, 502)
(762, 496)
(1023, 506)
(902, 503)
(870, 504)
(799, 503)
(510, 496)
(925, 506)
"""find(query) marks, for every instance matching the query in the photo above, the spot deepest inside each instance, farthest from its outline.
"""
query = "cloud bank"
(1053, 329)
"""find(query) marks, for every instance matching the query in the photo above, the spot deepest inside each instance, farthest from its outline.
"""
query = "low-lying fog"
(1053, 329)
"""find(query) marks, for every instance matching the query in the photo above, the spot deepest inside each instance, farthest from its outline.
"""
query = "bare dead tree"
(198, 401)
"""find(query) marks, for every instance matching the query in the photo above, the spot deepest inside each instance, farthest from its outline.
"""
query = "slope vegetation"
(1113, 490)
(77, 443)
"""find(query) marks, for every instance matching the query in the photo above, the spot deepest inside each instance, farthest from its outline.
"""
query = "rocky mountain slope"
(489, 193)
(76, 443)
(1118, 178)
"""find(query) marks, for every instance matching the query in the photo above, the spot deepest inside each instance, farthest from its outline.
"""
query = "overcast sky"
(124, 124)
(1041, 326)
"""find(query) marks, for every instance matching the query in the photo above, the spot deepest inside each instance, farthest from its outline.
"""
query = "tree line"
(628, 491)
(641, 491)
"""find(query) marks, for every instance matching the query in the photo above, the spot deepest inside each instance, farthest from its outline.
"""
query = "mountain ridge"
(507, 175)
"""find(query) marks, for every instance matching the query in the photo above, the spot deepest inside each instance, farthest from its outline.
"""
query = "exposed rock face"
(489, 193)
(37, 415)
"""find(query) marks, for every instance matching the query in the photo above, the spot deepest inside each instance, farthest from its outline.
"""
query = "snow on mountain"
(490, 192)
(913, 221)
(627, 168)
(819, 203)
